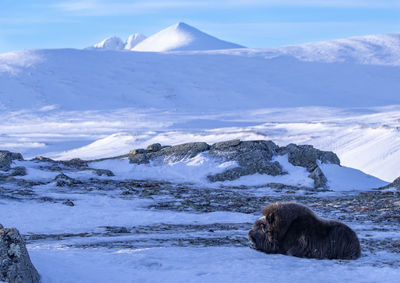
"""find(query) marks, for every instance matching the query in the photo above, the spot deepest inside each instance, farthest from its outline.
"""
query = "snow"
(211, 264)
(92, 211)
(180, 37)
(378, 49)
(344, 178)
(338, 95)
(110, 43)
(196, 170)
(133, 40)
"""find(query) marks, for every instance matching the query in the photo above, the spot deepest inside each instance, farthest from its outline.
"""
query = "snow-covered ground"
(341, 96)
(123, 230)
(367, 139)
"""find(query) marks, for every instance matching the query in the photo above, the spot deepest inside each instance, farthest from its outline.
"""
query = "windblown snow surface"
(341, 96)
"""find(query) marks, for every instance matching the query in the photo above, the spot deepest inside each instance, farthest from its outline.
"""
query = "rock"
(225, 144)
(174, 153)
(396, 183)
(105, 172)
(43, 159)
(272, 169)
(69, 203)
(154, 147)
(1, 226)
(7, 157)
(137, 151)
(18, 171)
(118, 230)
(320, 181)
(15, 264)
(252, 157)
(307, 156)
(76, 163)
(63, 180)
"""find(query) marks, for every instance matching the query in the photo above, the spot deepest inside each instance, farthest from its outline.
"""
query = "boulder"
(63, 180)
(252, 157)
(154, 147)
(272, 169)
(174, 153)
(320, 180)
(104, 172)
(307, 156)
(396, 183)
(137, 151)
(7, 157)
(15, 264)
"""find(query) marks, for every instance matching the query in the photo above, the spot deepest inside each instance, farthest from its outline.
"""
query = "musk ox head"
(293, 229)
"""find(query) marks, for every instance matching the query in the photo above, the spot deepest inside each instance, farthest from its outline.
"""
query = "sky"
(253, 23)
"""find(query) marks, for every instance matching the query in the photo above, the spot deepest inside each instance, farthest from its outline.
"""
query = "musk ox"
(293, 229)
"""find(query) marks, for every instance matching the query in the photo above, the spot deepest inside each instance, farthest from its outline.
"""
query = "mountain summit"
(116, 43)
(181, 37)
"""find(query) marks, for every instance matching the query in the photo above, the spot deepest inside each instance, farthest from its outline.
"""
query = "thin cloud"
(102, 7)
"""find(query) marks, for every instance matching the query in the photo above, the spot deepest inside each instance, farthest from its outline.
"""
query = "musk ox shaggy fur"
(293, 229)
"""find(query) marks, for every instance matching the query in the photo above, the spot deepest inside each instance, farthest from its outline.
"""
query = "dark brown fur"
(293, 229)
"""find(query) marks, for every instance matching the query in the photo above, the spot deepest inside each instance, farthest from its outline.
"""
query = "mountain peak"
(110, 43)
(182, 25)
(182, 36)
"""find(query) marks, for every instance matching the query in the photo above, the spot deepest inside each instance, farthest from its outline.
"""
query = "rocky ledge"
(251, 156)
(15, 264)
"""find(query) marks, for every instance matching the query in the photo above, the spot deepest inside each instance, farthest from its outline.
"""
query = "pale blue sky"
(253, 23)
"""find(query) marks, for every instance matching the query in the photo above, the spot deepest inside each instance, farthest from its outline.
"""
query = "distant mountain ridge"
(178, 37)
(116, 43)
(182, 37)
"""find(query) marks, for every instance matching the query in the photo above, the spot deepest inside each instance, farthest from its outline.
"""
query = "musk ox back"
(293, 229)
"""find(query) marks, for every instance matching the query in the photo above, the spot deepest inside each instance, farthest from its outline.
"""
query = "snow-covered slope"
(194, 91)
(181, 36)
(378, 49)
(134, 39)
(86, 79)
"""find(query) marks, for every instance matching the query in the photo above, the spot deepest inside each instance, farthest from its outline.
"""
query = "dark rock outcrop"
(7, 157)
(394, 184)
(307, 156)
(63, 180)
(251, 156)
(154, 147)
(15, 264)
(173, 153)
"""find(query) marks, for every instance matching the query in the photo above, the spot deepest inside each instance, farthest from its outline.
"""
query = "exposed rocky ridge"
(7, 157)
(251, 156)
(15, 264)
(394, 184)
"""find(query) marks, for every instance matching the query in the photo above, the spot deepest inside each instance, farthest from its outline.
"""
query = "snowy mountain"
(180, 37)
(116, 43)
(201, 90)
(379, 49)
(134, 39)
(185, 148)
(110, 43)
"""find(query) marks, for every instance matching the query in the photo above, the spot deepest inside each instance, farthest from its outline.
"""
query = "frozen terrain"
(182, 37)
(166, 222)
(339, 95)
(90, 227)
